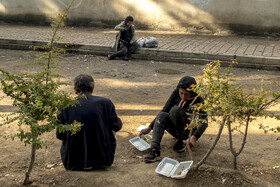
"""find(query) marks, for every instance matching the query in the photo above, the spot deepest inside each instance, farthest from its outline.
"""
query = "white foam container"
(139, 143)
(174, 169)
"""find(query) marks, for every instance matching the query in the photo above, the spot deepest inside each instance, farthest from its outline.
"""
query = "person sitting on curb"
(174, 117)
(125, 43)
(94, 145)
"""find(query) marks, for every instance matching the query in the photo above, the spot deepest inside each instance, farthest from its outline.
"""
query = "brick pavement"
(258, 50)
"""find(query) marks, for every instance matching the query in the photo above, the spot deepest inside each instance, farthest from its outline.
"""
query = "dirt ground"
(139, 89)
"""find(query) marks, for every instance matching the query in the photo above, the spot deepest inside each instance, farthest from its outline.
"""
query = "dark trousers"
(125, 49)
(173, 122)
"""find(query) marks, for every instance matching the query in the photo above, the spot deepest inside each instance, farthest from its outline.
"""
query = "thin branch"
(32, 159)
(267, 104)
(212, 147)
(245, 136)
(53, 39)
(230, 139)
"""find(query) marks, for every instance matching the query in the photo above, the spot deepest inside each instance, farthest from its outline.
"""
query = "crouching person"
(94, 146)
(174, 118)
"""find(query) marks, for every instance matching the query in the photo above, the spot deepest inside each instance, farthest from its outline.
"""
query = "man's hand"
(131, 41)
(145, 131)
(193, 140)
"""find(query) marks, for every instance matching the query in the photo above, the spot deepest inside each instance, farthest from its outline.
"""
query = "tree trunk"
(27, 174)
(212, 147)
(188, 146)
(235, 162)
(234, 153)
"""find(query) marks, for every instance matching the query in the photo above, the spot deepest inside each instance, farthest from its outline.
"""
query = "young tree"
(38, 98)
(229, 104)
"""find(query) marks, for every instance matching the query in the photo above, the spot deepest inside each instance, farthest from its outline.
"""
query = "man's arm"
(114, 121)
(120, 27)
(133, 34)
(168, 105)
(200, 130)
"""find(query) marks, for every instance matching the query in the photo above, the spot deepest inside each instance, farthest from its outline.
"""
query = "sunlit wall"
(154, 14)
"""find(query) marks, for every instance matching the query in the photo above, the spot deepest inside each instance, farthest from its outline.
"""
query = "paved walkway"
(257, 52)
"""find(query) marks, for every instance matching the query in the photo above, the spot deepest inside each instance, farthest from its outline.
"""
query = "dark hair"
(83, 83)
(186, 82)
(128, 18)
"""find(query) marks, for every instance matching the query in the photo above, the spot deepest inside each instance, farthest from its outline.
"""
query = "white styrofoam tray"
(139, 143)
(174, 169)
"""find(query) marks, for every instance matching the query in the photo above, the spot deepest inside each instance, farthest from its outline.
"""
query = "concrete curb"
(256, 62)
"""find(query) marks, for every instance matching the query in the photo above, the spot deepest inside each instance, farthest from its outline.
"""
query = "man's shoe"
(126, 58)
(153, 156)
(179, 146)
(110, 57)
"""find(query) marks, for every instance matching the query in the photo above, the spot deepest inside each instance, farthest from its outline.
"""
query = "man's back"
(95, 144)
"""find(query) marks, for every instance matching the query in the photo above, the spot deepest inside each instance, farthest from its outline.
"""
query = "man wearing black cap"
(125, 40)
(174, 118)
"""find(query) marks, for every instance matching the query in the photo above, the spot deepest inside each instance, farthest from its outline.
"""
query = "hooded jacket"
(174, 100)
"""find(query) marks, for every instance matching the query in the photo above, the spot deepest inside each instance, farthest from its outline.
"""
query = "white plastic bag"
(141, 42)
(151, 42)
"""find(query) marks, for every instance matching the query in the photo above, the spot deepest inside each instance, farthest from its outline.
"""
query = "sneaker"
(153, 156)
(179, 146)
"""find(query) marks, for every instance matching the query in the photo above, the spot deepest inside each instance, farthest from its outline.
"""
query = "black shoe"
(179, 146)
(110, 57)
(153, 156)
(126, 58)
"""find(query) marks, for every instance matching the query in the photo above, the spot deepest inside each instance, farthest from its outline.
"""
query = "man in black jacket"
(94, 146)
(174, 118)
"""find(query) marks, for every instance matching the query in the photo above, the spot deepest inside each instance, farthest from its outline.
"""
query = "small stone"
(50, 166)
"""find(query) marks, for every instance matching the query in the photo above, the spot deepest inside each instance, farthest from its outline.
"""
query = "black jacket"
(175, 99)
(95, 144)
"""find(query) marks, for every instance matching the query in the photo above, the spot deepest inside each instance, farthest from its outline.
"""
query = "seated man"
(94, 146)
(125, 41)
(174, 118)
